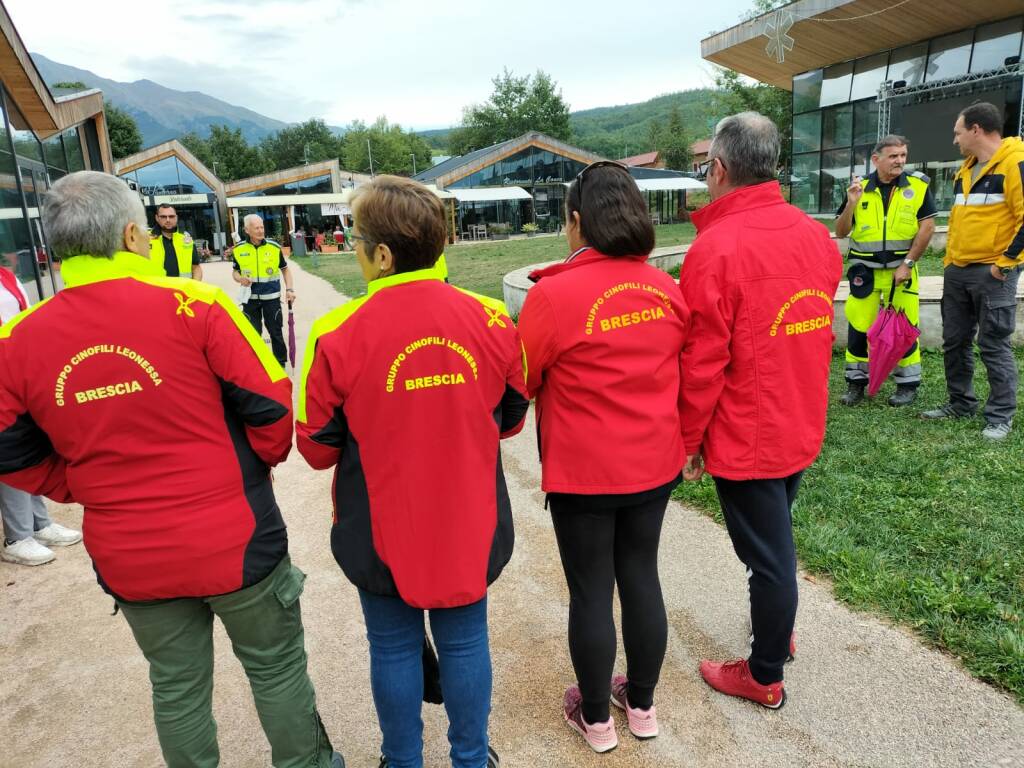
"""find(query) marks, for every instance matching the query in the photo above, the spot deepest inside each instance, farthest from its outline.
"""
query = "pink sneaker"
(600, 737)
(643, 723)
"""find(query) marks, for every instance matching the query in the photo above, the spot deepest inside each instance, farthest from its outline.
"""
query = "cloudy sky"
(416, 62)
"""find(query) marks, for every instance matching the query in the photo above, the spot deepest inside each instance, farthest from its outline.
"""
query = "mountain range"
(165, 113)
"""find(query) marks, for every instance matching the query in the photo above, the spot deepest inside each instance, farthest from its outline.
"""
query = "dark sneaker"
(337, 761)
(734, 679)
(854, 393)
(493, 761)
(997, 431)
(944, 411)
(904, 396)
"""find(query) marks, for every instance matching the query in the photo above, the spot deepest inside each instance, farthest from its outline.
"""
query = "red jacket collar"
(580, 258)
(738, 201)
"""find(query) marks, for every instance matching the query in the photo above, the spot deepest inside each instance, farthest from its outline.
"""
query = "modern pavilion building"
(859, 69)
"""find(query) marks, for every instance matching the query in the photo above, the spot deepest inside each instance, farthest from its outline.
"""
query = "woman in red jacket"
(603, 333)
(405, 393)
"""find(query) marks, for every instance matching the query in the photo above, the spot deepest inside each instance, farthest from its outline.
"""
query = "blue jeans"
(395, 631)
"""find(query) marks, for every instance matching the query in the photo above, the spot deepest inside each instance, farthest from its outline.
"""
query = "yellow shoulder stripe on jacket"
(497, 314)
(6, 328)
(186, 291)
(323, 325)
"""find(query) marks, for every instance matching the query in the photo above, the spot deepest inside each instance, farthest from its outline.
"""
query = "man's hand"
(902, 274)
(289, 295)
(694, 469)
(245, 281)
(854, 191)
(997, 273)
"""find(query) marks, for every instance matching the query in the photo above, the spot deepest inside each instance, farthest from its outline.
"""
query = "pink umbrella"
(291, 336)
(889, 339)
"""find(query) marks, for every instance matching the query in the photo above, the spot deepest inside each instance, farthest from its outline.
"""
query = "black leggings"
(603, 544)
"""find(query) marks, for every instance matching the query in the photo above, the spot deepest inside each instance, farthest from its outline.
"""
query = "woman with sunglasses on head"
(603, 333)
(406, 392)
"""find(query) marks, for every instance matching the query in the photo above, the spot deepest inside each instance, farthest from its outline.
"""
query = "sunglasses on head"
(599, 164)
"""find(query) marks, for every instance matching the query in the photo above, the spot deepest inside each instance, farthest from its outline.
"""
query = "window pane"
(835, 88)
(994, 43)
(160, 178)
(76, 161)
(942, 174)
(865, 122)
(25, 142)
(9, 195)
(949, 55)
(18, 255)
(806, 91)
(835, 178)
(869, 73)
(837, 127)
(54, 151)
(862, 160)
(804, 192)
(908, 64)
(807, 132)
(193, 185)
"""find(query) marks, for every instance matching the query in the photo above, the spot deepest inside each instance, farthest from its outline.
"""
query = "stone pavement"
(75, 691)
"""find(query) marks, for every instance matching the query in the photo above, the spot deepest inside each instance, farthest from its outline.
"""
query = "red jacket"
(759, 281)
(153, 403)
(603, 338)
(406, 392)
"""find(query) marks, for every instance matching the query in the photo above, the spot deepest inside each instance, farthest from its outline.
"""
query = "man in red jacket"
(759, 281)
(180, 517)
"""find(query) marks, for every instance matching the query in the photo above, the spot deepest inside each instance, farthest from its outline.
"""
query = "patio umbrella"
(889, 339)
(291, 335)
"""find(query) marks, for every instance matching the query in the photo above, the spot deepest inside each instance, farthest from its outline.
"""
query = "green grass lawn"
(478, 267)
(920, 521)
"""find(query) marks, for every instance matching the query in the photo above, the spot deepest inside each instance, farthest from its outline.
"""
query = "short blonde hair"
(405, 216)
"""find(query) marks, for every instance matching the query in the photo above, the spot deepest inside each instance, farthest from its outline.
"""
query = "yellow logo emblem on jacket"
(183, 305)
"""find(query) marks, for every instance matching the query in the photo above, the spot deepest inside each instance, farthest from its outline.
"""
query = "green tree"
(392, 149)
(738, 95)
(70, 85)
(517, 105)
(227, 153)
(125, 138)
(675, 143)
(311, 141)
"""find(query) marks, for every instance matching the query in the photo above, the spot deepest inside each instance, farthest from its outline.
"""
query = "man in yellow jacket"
(173, 251)
(983, 261)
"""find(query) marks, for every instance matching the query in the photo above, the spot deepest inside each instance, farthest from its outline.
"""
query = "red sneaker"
(734, 678)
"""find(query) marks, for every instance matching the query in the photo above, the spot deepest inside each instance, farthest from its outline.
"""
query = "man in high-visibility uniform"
(890, 218)
(173, 251)
(259, 264)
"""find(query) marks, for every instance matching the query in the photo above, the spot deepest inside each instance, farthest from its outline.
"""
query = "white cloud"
(416, 63)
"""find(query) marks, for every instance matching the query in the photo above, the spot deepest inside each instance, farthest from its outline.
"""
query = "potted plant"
(499, 231)
(330, 245)
(530, 229)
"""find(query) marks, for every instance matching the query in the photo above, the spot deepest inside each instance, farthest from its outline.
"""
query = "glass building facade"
(835, 110)
(540, 172)
(28, 166)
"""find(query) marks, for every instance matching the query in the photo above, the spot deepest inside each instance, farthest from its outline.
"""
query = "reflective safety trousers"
(861, 314)
(892, 229)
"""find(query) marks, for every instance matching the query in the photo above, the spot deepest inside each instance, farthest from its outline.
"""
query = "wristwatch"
(909, 262)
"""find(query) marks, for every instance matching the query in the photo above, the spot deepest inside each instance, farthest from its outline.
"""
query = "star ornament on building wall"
(776, 29)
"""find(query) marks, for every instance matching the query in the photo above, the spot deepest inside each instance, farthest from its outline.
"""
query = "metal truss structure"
(888, 93)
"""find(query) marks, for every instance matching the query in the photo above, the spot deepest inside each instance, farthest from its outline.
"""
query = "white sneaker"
(56, 535)
(26, 552)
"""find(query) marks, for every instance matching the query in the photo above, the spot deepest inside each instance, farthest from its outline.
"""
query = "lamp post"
(413, 156)
(370, 153)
